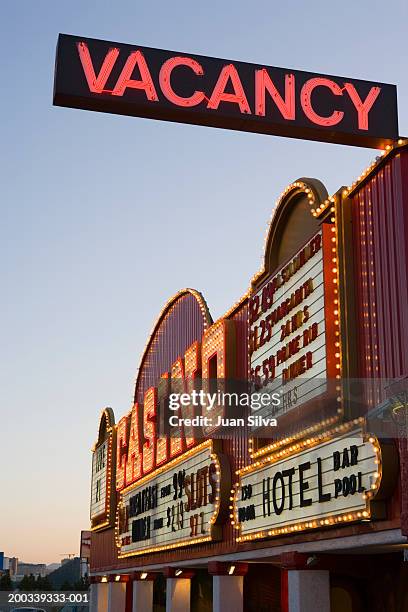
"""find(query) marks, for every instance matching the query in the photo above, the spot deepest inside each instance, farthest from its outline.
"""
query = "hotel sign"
(322, 484)
(188, 88)
(177, 505)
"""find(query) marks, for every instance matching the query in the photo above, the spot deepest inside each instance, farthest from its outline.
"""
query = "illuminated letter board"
(292, 325)
(322, 484)
(176, 505)
(187, 88)
(102, 465)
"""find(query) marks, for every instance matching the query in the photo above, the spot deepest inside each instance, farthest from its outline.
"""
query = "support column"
(93, 595)
(178, 589)
(308, 591)
(143, 591)
(305, 586)
(98, 595)
(228, 586)
(117, 594)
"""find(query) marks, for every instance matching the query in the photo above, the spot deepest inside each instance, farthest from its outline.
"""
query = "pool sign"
(325, 484)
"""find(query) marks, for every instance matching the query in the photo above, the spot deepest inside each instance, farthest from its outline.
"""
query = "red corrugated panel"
(380, 236)
(181, 325)
(380, 222)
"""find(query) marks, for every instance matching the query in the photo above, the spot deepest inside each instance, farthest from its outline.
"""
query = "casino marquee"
(311, 515)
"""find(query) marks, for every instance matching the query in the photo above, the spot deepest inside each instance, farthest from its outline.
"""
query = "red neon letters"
(134, 455)
(139, 447)
(165, 85)
(121, 452)
(362, 108)
(96, 84)
(124, 80)
(305, 100)
(221, 94)
(263, 83)
(149, 430)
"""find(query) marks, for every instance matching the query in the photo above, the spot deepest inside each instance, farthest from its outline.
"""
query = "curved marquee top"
(183, 320)
(106, 424)
(293, 221)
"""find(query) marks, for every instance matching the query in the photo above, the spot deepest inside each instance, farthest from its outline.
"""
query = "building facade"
(308, 513)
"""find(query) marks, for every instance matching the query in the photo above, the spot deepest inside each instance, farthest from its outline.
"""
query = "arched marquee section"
(293, 221)
(103, 472)
(183, 320)
(294, 305)
(106, 424)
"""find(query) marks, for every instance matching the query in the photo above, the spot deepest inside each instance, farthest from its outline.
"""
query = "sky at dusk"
(105, 217)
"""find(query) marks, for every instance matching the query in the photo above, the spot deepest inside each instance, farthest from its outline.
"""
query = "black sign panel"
(144, 82)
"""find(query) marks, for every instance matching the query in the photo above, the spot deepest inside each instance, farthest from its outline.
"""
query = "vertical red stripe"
(129, 596)
(284, 591)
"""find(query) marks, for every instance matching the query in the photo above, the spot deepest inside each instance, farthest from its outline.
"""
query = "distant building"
(13, 566)
(37, 569)
(9, 564)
